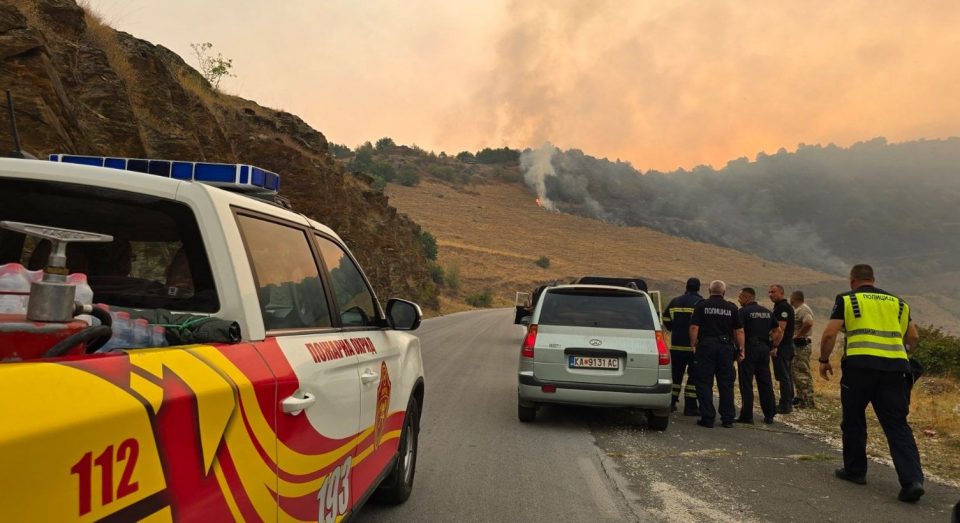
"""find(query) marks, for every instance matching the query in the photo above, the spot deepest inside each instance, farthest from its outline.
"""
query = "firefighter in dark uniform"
(876, 369)
(676, 319)
(760, 331)
(782, 353)
(716, 337)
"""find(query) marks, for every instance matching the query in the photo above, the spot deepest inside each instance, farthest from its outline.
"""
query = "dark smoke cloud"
(821, 206)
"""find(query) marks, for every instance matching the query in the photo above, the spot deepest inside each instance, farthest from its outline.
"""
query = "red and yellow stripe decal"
(191, 433)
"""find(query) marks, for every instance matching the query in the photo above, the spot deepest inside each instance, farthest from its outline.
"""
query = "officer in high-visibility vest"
(676, 319)
(875, 366)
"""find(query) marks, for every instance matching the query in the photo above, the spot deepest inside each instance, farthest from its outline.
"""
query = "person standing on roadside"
(760, 331)
(716, 337)
(782, 353)
(879, 334)
(676, 318)
(803, 346)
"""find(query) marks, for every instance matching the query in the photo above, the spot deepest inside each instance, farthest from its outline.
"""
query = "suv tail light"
(662, 351)
(529, 341)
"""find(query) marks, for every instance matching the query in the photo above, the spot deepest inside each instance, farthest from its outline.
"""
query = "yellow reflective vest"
(875, 323)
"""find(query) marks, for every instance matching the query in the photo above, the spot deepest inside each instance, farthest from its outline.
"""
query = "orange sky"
(661, 84)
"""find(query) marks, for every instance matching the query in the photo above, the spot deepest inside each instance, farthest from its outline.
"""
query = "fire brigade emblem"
(383, 404)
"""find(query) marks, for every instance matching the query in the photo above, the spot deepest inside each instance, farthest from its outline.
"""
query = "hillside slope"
(81, 87)
(495, 232)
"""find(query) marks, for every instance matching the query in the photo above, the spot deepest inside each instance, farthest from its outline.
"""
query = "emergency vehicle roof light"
(237, 177)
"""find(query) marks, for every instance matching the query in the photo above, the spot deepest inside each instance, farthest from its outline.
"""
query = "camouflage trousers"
(802, 376)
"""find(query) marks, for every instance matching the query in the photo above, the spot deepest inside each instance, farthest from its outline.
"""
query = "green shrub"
(436, 272)
(429, 244)
(408, 176)
(481, 299)
(542, 262)
(451, 277)
(383, 170)
(938, 352)
(385, 144)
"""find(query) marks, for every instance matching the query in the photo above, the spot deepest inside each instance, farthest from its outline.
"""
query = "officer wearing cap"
(760, 330)
(879, 332)
(676, 319)
(716, 336)
(782, 352)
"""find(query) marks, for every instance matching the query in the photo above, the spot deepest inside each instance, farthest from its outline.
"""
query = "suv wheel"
(396, 487)
(526, 413)
(657, 422)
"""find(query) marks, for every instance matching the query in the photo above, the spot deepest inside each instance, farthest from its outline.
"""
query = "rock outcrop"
(84, 88)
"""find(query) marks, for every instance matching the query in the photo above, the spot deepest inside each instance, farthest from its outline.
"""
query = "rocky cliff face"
(81, 87)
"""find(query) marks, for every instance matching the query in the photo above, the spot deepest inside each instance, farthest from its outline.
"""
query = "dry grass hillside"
(494, 233)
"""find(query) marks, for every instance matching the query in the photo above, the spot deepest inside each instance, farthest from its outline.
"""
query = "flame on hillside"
(539, 203)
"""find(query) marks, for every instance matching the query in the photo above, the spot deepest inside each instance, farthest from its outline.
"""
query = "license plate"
(590, 362)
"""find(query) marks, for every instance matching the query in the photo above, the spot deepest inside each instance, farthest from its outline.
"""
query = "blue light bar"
(235, 176)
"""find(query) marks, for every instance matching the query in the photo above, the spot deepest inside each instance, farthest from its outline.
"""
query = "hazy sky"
(661, 84)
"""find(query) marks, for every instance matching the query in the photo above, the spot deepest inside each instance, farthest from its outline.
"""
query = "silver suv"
(595, 345)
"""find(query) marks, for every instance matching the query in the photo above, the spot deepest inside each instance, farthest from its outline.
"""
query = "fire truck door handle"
(294, 405)
(368, 376)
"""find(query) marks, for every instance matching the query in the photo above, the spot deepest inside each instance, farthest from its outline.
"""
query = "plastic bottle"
(84, 293)
(122, 331)
(159, 336)
(142, 334)
(14, 289)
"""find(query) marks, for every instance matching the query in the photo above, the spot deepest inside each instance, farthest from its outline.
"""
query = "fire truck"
(176, 343)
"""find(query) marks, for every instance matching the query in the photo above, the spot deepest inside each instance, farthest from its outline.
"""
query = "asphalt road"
(477, 462)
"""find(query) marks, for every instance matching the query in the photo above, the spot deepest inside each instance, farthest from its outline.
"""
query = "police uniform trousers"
(756, 363)
(888, 393)
(802, 376)
(683, 363)
(714, 358)
(781, 370)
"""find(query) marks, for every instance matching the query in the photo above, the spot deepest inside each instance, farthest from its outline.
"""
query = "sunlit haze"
(660, 84)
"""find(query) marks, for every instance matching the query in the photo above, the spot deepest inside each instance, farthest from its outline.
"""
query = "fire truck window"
(288, 281)
(354, 298)
(131, 271)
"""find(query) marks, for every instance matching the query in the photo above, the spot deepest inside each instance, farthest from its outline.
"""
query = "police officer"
(760, 329)
(879, 333)
(782, 353)
(716, 337)
(677, 320)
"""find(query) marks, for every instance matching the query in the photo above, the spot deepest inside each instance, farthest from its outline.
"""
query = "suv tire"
(526, 413)
(655, 422)
(397, 486)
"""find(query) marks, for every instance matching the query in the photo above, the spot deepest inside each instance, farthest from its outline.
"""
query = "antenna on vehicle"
(18, 152)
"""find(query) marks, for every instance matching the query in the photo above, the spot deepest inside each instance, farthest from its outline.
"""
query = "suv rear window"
(596, 308)
(156, 259)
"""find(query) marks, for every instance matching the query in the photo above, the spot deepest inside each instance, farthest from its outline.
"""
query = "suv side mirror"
(403, 315)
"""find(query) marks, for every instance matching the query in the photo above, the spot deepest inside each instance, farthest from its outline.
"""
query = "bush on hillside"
(451, 277)
(383, 170)
(501, 155)
(340, 150)
(543, 262)
(362, 158)
(482, 299)
(436, 272)
(466, 157)
(429, 244)
(938, 352)
(407, 176)
(385, 144)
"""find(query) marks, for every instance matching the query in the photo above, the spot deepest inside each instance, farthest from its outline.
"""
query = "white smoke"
(537, 165)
